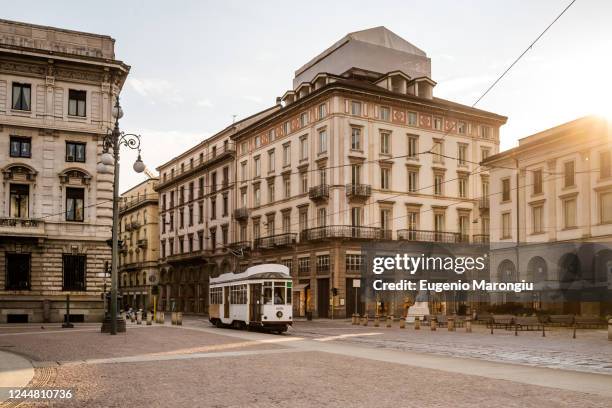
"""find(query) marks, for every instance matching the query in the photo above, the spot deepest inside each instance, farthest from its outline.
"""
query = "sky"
(196, 64)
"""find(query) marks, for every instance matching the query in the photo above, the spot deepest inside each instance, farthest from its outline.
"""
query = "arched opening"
(537, 272)
(506, 272)
(569, 268)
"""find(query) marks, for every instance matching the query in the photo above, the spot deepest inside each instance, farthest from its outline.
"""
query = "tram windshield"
(277, 293)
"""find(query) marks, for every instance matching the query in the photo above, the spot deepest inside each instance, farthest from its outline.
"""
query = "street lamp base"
(106, 325)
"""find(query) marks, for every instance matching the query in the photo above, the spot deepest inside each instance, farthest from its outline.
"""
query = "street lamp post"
(113, 140)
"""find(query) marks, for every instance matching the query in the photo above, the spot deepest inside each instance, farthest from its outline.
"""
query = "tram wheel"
(218, 324)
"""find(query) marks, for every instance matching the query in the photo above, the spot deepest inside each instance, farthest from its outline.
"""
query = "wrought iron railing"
(241, 213)
(427, 236)
(320, 192)
(481, 238)
(341, 231)
(274, 241)
(358, 190)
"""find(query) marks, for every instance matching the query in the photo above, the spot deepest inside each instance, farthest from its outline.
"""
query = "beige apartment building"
(57, 88)
(359, 151)
(553, 199)
(139, 252)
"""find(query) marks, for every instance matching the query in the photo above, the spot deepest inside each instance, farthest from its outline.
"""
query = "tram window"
(279, 293)
(267, 293)
(288, 296)
(238, 294)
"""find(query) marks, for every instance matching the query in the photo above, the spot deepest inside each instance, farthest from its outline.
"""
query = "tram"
(259, 297)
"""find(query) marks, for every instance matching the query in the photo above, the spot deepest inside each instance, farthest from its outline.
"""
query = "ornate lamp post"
(109, 163)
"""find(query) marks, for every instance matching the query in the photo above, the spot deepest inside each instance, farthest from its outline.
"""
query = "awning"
(300, 286)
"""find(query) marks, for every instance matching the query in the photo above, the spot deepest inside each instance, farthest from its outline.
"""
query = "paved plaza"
(319, 363)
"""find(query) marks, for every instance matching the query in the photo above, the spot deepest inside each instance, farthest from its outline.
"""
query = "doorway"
(226, 302)
(323, 297)
(255, 303)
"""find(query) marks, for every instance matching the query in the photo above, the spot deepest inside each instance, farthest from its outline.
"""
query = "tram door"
(255, 303)
(226, 301)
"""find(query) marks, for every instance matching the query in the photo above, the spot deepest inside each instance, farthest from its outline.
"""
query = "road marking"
(344, 336)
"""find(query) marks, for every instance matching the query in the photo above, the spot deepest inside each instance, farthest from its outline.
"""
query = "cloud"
(156, 90)
(204, 103)
(252, 98)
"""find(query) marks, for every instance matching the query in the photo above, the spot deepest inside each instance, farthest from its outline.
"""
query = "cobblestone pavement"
(589, 352)
(199, 366)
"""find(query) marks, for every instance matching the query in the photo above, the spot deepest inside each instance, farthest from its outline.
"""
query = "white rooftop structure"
(251, 271)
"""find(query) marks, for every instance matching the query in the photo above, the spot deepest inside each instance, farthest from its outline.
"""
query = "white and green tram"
(259, 297)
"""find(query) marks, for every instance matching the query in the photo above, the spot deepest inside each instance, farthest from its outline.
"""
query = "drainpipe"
(518, 232)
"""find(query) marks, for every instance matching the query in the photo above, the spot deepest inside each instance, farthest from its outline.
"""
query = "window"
(413, 220)
(605, 205)
(412, 118)
(303, 148)
(243, 233)
(243, 171)
(238, 294)
(256, 230)
(463, 186)
(224, 235)
(76, 102)
(286, 220)
(75, 152)
(20, 147)
(485, 132)
(18, 271)
(287, 183)
(182, 218)
(190, 216)
(322, 217)
(356, 174)
(200, 213)
(322, 176)
(304, 119)
(355, 108)
(201, 187)
(464, 225)
(484, 153)
(303, 219)
(437, 122)
(304, 182)
(462, 154)
(356, 216)
(461, 128)
(437, 150)
(257, 166)
(537, 181)
(244, 148)
(385, 175)
(322, 111)
(225, 205)
(385, 143)
(286, 128)
(271, 161)
(569, 213)
(213, 209)
(271, 135)
(537, 214)
(323, 141)
(354, 263)
(413, 146)
(506, 189)
(75, 198)
(304, 266)
(271, 188)
(286, 155)
(385, 113)
(213, 239)
(22, 96)
(19, 200)
(385, 219)
(355, 138)
(439, 222)
(257, 141)
(605, 164)
(413, 180)
(568, 174)
(506, 226)
(256, 196)
(323, 265)
(216, 296)
(74, 267)
(271, 227)
(243, 197)
(438, 183)
(225, 179)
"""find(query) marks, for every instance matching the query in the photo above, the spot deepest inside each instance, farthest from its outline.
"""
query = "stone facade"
(57, 88)
(559, 183)
(139, 254)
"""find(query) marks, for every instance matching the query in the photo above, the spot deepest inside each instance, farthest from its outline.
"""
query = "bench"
(442, 320)
(501, 322)
(561, 320)
(528, 323)
(483, 317)
(589, 322)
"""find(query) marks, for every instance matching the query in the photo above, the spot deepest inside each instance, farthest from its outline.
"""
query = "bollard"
(365, 319)
(162, 317)
(389, 321)
(610, 330)
(139, 317)
(451, 323)
(149, 318)
(132, 317)
(173, 318)
(468, 325)
(417, 323)
(433, 324)
(179, 318)
(376, 321)
(402, 323)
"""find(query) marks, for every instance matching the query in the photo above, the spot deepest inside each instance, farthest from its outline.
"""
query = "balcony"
(483, 203)
(241, 214)
(240, 245)
(319, 193)
(341, 232)
(136, 225)
(188, 256)
(142, 243)
(428, 236)
(275, 241)
(358, 191)
(22, 227)
(481, 238)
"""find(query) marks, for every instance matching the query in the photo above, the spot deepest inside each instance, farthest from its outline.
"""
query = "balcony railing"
(126, 204)
(341, 231)
(187, 256)
(358, 190)
(320, 192)
(481, 238)
(275, 241)
(241, 214)
(428, 236)
(21, 227)
(142, 243)
(483, 203)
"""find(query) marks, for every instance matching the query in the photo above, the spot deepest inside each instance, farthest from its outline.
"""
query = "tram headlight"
(279, 314)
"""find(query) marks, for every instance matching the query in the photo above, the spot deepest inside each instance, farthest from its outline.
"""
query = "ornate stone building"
(139, 253)
(552, 196)
(57, 88)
